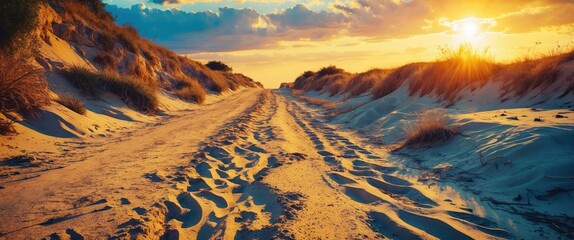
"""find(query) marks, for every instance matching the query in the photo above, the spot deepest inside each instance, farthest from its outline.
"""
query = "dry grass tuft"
(522, 77)
(330, 70)
(132, 91)
(430, 129)
(331, 79)
(334, 83)
(465, 67)
(106, 60)
(364, 82)
(394, 80)
(6, 127)
(73, 104)
(190, 90)
(23, 88)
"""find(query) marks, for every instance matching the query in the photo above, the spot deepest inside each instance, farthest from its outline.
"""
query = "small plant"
(330, 70)
(129, 37)
(106, 60)
(19, 18)
(23, 89)
(306, 74)
(73, 104)
(190, 90)
(6, 127)
(218, 66)
(132, 91)
(465, 52)
(430, 129)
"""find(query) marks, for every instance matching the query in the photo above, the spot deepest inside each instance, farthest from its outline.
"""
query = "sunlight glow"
(469, 28)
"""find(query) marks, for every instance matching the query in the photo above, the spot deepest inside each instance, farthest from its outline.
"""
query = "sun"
(469, 28)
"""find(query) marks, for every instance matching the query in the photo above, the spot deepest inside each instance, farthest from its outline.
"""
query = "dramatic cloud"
(226, 29)
(230, 28)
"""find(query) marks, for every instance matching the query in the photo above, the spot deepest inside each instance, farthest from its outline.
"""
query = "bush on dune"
(132, 91)
(218, 66)
(6, 127)
(73, 104)
(189, 89)
(330, 70)
(19, 18)
(331, 79)
(23, 88)
(431, 128)
(211, 80)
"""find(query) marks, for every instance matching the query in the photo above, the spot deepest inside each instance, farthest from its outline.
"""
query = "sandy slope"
(260, 164)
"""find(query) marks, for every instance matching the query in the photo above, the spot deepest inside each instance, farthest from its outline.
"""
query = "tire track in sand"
(220, 195)
(397, 207)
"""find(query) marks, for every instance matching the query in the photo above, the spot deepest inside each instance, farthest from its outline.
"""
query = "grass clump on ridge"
(430, 129)
(460, 68)
(190, 90)
(132, 91)
(73, 104)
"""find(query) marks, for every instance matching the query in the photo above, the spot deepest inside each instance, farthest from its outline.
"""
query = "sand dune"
(257, 164)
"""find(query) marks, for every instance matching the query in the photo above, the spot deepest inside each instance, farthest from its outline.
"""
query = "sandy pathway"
(258, 165)
(124, 169)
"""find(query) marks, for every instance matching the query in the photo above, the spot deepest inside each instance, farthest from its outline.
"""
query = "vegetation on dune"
(464, 67)
(394, 80)
(431, 128)
(19, 18)
(331, 79)
(364, 82)
(521, 77)
(189, 89)
(132, 91)
(219, 66)
(330, 70)
(156, 58)
(6, 127)
(23, 87)
(460, 69)
(73, 104)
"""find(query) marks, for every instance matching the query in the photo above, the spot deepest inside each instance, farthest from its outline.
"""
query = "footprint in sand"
(432, 226)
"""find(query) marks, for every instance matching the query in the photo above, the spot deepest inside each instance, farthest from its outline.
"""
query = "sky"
(274, 41)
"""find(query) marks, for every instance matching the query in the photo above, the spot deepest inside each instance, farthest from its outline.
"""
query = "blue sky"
(273, 41)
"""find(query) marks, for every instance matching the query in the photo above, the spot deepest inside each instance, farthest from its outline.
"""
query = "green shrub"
(18, 19)
(73, 104)
(132, 91)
